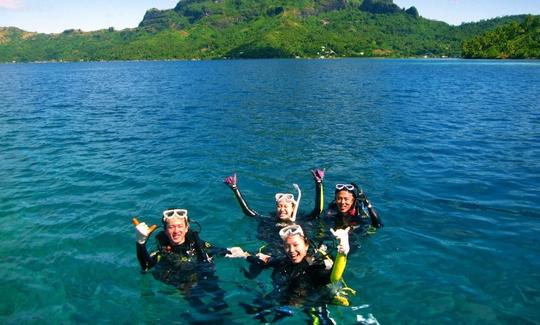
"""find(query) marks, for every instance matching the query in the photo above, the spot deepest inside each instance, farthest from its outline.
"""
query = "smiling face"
(284, 210)
(344, 201)
(176, 230)
(296, 248)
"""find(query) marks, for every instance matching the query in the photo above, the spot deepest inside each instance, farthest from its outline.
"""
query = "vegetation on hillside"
(209, 29)
(512, 40)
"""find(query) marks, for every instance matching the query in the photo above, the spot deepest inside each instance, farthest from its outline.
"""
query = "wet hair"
(165, 224)
(306, 240)
(291, 202)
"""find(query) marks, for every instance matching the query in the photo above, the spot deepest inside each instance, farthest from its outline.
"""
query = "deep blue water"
(447, 150)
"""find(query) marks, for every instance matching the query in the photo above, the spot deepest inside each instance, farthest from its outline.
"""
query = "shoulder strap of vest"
(196, 242)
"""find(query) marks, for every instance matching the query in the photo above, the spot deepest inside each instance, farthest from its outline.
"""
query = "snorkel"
(297, 202)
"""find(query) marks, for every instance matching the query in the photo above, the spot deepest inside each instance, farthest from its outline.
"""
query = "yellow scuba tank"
(338, 268)
(336, 278)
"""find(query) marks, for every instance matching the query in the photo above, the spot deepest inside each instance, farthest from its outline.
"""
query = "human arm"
(206, 250)
(146, 260)
(257, 263)
(373, 215)
(232, 183)
(320, 266)
(265, 261)
(216, 251)
(236, 252)
(318, 176)
(142, 232)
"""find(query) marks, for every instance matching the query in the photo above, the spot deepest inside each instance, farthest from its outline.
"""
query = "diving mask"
(175, 213)
(348, 187)
(287, 197)
(352, 188)
(292, 230)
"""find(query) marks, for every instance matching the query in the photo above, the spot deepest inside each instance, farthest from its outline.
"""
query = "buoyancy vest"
(191, 250)
(343, 220)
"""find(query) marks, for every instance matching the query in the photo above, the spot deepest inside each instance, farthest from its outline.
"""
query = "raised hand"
(142, 230)
(318, 174)
(342, 235)
(362, 196)
(231, 181)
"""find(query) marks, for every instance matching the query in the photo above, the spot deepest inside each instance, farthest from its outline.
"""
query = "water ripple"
(446, 149)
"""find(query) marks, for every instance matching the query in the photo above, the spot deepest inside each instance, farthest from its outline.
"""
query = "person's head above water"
(287, 206)
(345, 196)
(295, 243)
(176, 224)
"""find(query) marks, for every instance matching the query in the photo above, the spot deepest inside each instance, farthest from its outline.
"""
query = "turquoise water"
(447, 150)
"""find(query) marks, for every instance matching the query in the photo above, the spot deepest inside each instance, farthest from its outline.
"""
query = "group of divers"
(307, 255)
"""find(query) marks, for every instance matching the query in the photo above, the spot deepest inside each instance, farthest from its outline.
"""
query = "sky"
(455, 12)
(55, 16)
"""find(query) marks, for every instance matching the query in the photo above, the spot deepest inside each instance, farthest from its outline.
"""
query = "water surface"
(448, 151)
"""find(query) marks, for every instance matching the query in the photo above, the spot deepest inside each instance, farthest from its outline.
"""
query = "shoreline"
(297, 58)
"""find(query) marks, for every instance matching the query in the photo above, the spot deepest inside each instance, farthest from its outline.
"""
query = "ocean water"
(447, 150)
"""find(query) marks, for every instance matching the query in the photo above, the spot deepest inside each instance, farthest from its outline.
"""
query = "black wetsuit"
(188, 267)
(269, 226)
(192, 250)
(362, 220)
(361, 217)
(298, 284)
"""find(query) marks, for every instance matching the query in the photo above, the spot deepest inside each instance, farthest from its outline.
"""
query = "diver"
(183, 260)
(306, 276)
(351, 208)
(286, 209)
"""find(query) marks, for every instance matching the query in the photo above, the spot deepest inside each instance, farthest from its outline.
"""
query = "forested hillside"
(212, 29)
(513, 40)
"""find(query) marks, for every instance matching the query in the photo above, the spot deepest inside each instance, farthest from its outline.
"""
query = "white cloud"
(11, 4)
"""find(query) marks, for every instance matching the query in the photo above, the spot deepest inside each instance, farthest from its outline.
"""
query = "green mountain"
(512, 40)
(210, 29)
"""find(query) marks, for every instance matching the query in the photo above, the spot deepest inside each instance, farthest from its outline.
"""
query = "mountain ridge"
(216, 29)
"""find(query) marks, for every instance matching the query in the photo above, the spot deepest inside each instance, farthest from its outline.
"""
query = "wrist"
(141, 239)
